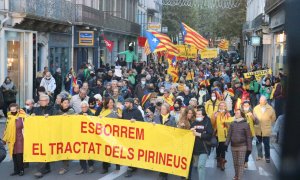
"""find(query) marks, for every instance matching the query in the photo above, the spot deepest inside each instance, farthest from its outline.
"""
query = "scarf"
(165, 118)
(238, 119)
(8, 86)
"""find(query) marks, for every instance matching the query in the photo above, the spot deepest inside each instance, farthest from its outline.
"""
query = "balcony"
(92, 17)
(57, 10)
(272, 4)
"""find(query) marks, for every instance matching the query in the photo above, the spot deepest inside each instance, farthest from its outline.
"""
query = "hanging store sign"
(255, 41)
(86, 38)
(154, 26)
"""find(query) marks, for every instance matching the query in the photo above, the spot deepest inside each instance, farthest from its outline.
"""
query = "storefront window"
(280, 51)
(18, 58)
(59, 58)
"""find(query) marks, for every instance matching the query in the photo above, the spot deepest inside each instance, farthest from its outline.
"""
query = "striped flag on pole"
(224, 45)
(191, 37)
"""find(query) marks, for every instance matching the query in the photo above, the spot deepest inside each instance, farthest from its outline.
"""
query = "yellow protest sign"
(209, 53)
(186, 51)
(139, 144)
(258, 74)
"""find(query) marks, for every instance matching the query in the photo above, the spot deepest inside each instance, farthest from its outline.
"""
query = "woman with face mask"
(177, 110)
(13, 136)
(211, 106)
(239, 136)
(221, 120)
(9, 91)
(203, 131)
(247, 110)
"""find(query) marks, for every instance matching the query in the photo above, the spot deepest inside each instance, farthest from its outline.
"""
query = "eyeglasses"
(27, 104)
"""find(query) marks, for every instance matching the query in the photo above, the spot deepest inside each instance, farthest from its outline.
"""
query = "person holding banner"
(203, 131)
(64, 110)
(110, 110)
(166, 119)
(133, 114)
(13, 135)
(85, 110)
(43, 110)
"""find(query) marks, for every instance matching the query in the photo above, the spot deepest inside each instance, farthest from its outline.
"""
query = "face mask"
(8, 81)
(222, 110)
(199, 119)
(176, 108)
(70, 76)
(27, 107)
(14, 113)
(161, 90)
(143, 82)
(213, 98)
(246, 109)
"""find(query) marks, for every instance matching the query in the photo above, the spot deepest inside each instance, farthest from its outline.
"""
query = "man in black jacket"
(43, 110)
(132, 113)
(203, 131)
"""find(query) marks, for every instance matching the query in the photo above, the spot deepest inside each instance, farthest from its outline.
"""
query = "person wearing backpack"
(203, 132)
(254, 91)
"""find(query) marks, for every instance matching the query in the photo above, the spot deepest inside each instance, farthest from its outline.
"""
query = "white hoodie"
(49, 85)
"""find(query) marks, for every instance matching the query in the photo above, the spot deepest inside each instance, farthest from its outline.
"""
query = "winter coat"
(265, 120)
(49, 85)
(9, 92)
(75, 102)
(239, 135)
(266, 91)
(133, 113)
(41, 111)
(139, 92)
(68, 111)
(12, 135)
(205, 128)
(89, 113)
(169, 122)
(228, 100)
(251, 121)
(211, 108)
(203, 97)
(221, 123)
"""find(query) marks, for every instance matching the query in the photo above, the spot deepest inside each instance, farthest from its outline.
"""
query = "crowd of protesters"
(211, 98)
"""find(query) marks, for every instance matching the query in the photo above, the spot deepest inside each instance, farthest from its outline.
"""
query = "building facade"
(114, 19)
(275, 10)
(264, 34)
(34, 34)
(149, 16)
(60, 34)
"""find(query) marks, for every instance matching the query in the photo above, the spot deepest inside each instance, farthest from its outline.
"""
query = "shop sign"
(267, 39)
(86, 38)
(154, 26)
(255, 41)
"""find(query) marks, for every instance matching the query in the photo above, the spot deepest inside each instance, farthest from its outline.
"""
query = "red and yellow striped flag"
(191, 37)
(147, 48)
(172, 69)
(224, 45)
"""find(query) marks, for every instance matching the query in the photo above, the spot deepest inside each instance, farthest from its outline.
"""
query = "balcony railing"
(271, 4)
(92, 17)
(60, 10)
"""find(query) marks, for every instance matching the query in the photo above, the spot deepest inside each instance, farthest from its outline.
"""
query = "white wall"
(254, 8)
